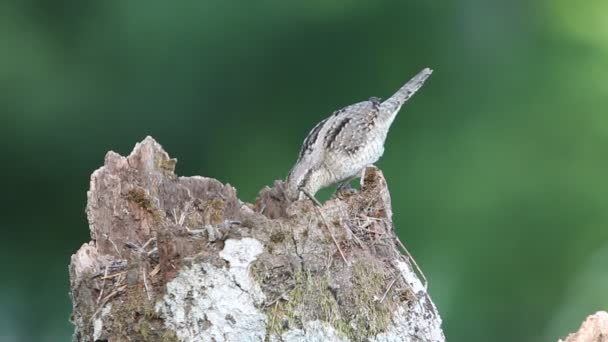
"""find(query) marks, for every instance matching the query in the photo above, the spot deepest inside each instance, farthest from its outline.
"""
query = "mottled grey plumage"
(338, 148)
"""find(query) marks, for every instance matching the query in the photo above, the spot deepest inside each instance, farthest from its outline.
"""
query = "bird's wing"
(311, 139)
(344, 130)
(349, 130)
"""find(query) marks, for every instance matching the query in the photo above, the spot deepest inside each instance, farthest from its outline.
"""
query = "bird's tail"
(391, 106)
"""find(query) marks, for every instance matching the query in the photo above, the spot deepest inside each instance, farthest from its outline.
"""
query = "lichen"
(222, 301)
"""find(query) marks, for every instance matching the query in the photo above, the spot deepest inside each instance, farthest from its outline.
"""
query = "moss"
(193, 221)
(248, 223)
(371, 317)
(407, 296)
(343, 327)
(309, 299)
(138, 195)
(259, 272)
(358, 316)
(281, 311)
(216, 214)
(145, 331)
(169, 336)
(305, 233)
(133, 316)
(166, 164)
(277, 237)
(212, 210)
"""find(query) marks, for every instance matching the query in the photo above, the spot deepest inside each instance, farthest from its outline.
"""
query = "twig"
(388, 289)
(118, 265)
(110, 276)
(348, 226)
(283, 296)
(312, 198)
(114, 293)
(103, 284)
(113, 244)
(426, 283)
(359, 242)
(147, 243)
(146, 282)
(142, 250)
(155, 271)
(174, 216)
(332, 234)
(317, 206)
(274, 314)
(182, 216)
(195, 231)
(133, 245)
(105, 300)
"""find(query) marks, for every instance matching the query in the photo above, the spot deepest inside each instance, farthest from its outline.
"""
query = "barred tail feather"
(391, 106)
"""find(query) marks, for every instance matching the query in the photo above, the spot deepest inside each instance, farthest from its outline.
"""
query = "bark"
(183, 259)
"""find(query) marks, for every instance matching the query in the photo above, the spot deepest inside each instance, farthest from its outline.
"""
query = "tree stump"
(183, 259)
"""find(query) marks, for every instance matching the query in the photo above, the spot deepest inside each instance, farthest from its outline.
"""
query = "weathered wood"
(183, 259)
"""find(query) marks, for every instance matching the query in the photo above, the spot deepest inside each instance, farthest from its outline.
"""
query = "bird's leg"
(362, 178)
(345, 187)
(310, 196)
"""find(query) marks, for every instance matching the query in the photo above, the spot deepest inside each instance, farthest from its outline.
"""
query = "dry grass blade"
(388, 289)
(409, 255)
(332, 235)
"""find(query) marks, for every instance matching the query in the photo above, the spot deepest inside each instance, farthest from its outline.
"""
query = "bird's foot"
(345, 189)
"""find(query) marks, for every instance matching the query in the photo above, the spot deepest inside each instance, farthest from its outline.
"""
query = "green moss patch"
(133, 318)
(353, 307)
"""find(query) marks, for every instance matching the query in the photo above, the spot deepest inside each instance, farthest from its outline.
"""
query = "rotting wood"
(183, 259)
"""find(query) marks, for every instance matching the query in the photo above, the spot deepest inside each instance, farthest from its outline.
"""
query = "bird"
(340, 147)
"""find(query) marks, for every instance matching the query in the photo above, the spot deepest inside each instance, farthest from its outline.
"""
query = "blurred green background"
(497, 167)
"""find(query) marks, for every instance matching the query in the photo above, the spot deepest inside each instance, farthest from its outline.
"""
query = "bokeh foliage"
(497, 167)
